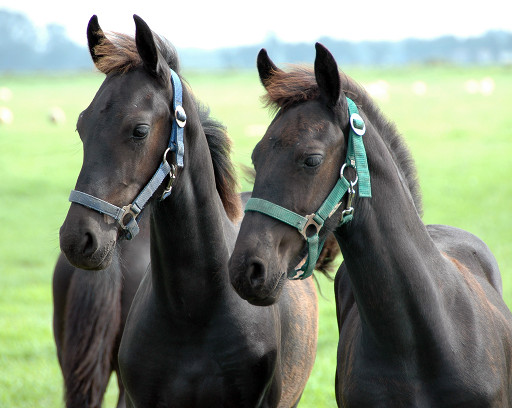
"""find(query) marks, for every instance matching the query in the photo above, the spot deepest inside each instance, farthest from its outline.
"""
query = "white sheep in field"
(57, 115)
(6, 116)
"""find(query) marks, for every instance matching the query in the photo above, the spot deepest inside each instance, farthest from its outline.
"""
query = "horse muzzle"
(86, 239)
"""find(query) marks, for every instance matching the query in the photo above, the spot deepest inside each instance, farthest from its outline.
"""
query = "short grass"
(462, 144)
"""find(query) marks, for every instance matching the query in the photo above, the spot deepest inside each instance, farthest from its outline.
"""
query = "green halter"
(310, 225)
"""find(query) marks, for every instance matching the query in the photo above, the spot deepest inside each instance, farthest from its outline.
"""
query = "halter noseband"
(133, 210)
(356, 158)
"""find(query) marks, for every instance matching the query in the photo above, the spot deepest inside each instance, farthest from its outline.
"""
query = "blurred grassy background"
(458, 131)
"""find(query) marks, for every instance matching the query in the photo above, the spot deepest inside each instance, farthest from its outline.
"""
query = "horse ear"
(327, 75)
(94, 36)
(266, 68)
(146, 44)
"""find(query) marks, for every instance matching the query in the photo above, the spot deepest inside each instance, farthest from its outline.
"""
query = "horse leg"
(91, 325)
(121, 401)
(62, 276)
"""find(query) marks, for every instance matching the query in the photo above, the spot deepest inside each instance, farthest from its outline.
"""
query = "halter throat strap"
(310, 225)
(128, 215)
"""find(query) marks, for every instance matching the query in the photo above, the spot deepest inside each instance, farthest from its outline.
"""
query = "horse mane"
(118, 54)
(224, 170)
(288, 88)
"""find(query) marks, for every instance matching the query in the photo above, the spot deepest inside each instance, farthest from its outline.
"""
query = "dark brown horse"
(89, 313)
(189, 339)
(421, 318)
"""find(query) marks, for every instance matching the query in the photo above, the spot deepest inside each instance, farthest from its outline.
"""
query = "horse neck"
(389, 257)
(189, 249)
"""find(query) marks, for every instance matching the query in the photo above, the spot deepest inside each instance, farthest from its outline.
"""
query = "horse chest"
(178, 363)
(200, 375)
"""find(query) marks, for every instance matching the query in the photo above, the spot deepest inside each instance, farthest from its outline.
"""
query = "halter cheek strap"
(128, 215)
(309, 226)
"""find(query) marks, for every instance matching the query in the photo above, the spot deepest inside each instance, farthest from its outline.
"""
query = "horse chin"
(270, 297)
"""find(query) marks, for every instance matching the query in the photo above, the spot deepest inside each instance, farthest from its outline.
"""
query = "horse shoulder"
(468, 249)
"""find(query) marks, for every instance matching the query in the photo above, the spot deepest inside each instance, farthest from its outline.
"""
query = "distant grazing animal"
(189, 339)
(421, 318)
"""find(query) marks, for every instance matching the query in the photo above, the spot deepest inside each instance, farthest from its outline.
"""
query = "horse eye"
(141, 131)
(313, 161)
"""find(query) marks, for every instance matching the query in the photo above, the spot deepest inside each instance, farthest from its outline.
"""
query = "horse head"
(124, 131)
(297, 163)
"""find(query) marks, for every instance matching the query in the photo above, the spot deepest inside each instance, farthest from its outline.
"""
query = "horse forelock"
(288, 88)
(285, 89)
(117, 53)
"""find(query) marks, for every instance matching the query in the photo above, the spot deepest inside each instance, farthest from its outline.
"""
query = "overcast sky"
(222, 23)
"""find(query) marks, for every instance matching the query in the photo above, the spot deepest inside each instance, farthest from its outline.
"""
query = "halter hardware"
(356, 158)
(128, 210)
(133, 210)
(310, 222)
(180, 115)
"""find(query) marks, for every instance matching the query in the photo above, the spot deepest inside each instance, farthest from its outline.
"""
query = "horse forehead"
(297, 130)
(122, 94)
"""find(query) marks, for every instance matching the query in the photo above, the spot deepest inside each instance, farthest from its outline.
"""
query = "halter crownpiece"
(309, 226)
(128, 215)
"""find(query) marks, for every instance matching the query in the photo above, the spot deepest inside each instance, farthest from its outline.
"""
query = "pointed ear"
(146, 45)
(94, 36)
(266, 68)
(327, 75)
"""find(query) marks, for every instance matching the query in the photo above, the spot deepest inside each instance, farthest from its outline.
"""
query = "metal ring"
(165, 154)
(352, 183)
(356, 116)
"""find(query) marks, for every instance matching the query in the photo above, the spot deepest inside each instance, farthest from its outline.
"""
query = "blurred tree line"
(24, 48)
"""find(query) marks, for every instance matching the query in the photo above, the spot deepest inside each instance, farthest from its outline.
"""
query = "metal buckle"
(127, 210)
(353, 118)
(349, 210)
(172, 177)
(181, 116)
(310, 221)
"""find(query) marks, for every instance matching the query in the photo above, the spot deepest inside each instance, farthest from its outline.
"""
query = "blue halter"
(133, 210)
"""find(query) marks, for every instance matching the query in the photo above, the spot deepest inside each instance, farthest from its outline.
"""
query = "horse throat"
(189, 250)
(389, 256)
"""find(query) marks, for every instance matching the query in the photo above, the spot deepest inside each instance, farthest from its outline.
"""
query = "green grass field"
(462, 143)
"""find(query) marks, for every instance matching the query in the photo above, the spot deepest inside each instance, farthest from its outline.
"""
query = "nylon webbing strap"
(276, 211)
(333, 199)
(177, 131)
(356, 154)
(306, 270)
(94, 203)
(103, 207)
(147, 192)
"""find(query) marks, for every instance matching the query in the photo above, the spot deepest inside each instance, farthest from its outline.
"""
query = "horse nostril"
(89, 245)
(257, 273)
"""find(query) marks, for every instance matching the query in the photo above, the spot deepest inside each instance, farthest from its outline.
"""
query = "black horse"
(89, 313)
(421, 318)
(189, 339)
